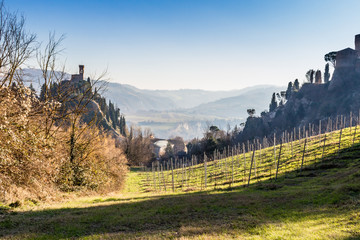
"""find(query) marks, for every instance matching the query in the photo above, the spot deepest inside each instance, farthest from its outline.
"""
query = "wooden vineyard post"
(192, 166)
(322, 156)
(254, 163)
(162, 174)
(172, 175)
(158, 170)
(274, 150)
(226, 167)
(260, 155)
(232, 170)
(205, 170)
(292, 151)
(238, 155)
(303, 156)
(278, 163)
(182, 175)
(186, 174)
(350, 121)
(340, 141)
(153, 170)
(244, 162)
(215, 177)
(354, 134)
(148, 176)
(319, 131)
(252, 159)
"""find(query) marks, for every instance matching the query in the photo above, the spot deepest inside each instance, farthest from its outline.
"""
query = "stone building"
(347, 61)
(80, 76)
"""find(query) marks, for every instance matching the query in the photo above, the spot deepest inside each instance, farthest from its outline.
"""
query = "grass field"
(266, 164)
(320, 202)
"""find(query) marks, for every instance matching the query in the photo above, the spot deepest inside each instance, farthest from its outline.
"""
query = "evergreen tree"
(43, 93)
(318, 79)
(122, 125)
(289, 91)
(273, 104)
(326, 73)
(32, 88)
(296, 85)
(112, 113)
(310, 75)
(117, 118)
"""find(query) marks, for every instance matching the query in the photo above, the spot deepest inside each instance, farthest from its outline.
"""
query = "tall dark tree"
(318, 75)
(273, 104)
(326, 73)
(296, 85)
(43, 92)
(122, 125)
(289, 91)
(310, 75)
(31, 87)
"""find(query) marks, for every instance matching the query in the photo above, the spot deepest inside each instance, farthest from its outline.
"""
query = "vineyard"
(306, 188)
(249, 163)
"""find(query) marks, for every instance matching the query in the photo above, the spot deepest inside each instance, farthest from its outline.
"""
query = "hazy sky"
(214, 45)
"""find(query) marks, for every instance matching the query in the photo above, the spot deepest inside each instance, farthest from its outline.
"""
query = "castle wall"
(357, 42)
(346, 58)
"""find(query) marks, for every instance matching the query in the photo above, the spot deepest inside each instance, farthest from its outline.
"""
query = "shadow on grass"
(235, 211)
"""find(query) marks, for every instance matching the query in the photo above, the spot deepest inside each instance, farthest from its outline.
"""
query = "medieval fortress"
(347, 64)
(348, 57)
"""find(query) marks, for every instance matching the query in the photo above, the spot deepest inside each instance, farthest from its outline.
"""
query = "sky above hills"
(203, 44)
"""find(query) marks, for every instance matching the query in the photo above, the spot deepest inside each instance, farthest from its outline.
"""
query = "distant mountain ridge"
(131, 99)
(183, 112)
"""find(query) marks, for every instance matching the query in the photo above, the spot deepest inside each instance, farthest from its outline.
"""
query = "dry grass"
(323, 206)
(35, 166)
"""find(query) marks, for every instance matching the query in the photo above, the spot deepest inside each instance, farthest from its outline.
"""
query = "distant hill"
(130, 99)
(235, 107)
(184, 112)
(190, 123)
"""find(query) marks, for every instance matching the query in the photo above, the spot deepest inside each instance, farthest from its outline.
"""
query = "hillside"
(235, 107)
(315, 100)
(184, 112)
(132, 99)
(320, 202)
(191, 122)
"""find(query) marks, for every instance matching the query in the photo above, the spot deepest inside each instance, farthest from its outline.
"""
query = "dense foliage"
(55, 141)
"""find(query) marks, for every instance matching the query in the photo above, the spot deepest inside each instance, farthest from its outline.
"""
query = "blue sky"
(202, 44)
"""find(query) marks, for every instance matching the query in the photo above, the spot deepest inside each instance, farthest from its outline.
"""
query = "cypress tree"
(289, 91)
(326, 73)
(273, 104)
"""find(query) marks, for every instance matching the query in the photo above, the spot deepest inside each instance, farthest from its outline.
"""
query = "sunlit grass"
(320, 202)
(234, 171)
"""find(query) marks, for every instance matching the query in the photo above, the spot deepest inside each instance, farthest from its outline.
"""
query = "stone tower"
(357, 42)
(81, 71)
(78, 77)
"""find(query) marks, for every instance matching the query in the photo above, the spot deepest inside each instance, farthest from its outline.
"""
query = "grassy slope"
(321, 202)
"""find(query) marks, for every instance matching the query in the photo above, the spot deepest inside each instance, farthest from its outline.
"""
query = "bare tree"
(16, 45)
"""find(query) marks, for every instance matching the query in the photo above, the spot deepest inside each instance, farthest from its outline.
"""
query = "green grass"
(320, 202)
(234, 171)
